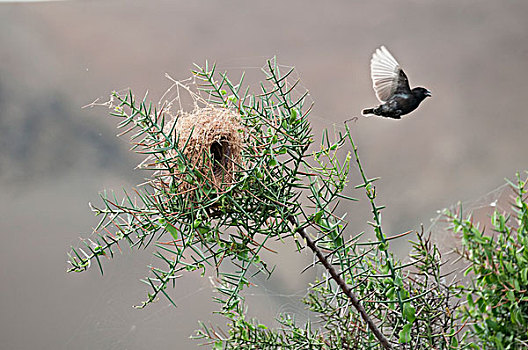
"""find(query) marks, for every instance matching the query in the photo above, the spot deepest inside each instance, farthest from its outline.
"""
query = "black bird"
(392, 87)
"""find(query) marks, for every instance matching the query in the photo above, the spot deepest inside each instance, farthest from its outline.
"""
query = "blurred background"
(55, 157)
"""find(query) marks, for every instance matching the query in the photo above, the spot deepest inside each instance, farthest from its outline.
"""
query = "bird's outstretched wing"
(387, 75)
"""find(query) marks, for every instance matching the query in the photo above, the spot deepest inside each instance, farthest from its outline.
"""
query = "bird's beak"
(428, 93)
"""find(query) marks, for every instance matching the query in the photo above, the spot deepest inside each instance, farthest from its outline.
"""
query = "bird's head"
(421, 93)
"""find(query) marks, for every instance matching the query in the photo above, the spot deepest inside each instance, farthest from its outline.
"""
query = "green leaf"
(197, 223)
(181, 166)
(405, 334)
(385, 268)
(318, 216)
(203, 230)
(391, 293)
(409, 312)
(398, 281)
(469, 298)
(293, 115)
(172, 230)
(454, 343)
(524, 275)
(516, 316)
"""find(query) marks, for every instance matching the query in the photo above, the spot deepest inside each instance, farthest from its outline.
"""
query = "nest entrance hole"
(220, 154)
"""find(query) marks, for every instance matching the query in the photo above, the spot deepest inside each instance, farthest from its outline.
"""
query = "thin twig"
(342, 284)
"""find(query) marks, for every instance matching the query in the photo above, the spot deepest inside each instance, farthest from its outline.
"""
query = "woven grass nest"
(212, 139)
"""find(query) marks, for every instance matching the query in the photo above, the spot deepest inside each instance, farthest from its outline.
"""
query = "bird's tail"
(368, 111)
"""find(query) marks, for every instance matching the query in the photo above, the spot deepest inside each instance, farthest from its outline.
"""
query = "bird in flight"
(392, 87)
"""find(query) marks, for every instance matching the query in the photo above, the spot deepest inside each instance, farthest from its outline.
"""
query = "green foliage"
(250, 334)
(367, 298)
(409, 301)
(497, 300)
(208, 226)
